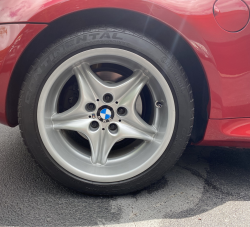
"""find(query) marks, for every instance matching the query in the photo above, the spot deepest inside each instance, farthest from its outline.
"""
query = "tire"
(66, 151)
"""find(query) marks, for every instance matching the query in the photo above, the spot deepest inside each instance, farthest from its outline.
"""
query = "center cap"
(105, 113)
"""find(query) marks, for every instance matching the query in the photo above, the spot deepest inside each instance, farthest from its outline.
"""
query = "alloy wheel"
(104, 114)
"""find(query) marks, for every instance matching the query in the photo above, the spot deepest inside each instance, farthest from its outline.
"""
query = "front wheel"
(106, 111)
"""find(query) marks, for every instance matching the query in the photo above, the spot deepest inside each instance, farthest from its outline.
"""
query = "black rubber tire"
(68, 46)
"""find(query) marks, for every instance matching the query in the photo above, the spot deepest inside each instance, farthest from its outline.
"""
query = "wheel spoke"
(90, 83)
(134, 119)
(73, 119)
(132, 131)
(128, 100)
(129, 90)
(101, 143)
(85, 78)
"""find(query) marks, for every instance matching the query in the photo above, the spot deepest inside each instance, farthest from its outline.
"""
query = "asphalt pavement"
(209, 186)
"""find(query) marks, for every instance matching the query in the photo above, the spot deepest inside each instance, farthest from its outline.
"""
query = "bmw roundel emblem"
(105, 113)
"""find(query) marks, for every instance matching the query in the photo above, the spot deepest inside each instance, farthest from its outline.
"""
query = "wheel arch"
(138, 22)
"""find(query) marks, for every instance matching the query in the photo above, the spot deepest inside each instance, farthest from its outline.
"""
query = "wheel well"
(140, 23)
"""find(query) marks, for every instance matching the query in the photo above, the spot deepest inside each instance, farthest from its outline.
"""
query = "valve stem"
(158, 104)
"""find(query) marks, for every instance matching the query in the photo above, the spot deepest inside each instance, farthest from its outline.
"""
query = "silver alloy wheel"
(98, 166)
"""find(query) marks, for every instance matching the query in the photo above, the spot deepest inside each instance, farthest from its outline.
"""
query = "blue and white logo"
(105, 114)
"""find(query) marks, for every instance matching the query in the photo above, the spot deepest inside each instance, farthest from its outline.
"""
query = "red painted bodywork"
(224, 55)
(227, 132)
(13, 40)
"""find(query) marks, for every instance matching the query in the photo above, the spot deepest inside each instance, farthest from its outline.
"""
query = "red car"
(108, 93)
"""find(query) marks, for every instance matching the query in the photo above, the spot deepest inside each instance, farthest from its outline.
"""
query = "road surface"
(209, 186)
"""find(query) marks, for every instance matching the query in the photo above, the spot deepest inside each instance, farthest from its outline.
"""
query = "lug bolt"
(90, 107)
(94, 124)
(112, 127)
(107, 98)
(122, 111)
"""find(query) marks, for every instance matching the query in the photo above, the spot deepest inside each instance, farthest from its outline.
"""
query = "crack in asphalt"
(206, 181)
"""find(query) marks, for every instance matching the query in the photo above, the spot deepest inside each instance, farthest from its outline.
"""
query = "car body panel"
(13, 40)
(227, 132)
(224, 55)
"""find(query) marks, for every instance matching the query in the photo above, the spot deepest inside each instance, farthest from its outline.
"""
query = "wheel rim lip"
(45, 136)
